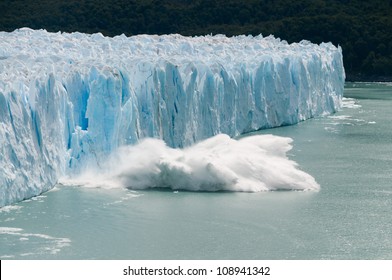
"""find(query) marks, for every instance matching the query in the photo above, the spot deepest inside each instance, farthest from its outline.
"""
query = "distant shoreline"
(367, 78)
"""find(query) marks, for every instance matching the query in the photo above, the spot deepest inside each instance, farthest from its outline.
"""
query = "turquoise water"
(349, 154)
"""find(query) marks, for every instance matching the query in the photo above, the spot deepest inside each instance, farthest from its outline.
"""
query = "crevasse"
(68, 100)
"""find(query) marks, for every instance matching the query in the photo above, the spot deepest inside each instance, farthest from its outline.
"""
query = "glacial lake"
(349, 154)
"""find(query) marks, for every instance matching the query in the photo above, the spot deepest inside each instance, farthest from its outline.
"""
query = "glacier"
(69, 100)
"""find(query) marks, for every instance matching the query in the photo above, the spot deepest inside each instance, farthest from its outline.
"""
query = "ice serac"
(68, 100)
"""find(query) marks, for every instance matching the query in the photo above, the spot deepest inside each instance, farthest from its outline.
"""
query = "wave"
(350, 103)
(46, 244)
(220, 163)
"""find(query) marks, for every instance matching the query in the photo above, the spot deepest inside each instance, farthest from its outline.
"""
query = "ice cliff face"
(68, 100)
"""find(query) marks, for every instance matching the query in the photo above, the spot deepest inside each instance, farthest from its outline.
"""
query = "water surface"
(349, 154)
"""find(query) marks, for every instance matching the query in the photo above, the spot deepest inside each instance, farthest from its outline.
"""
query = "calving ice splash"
(251, 164)
(69, 102)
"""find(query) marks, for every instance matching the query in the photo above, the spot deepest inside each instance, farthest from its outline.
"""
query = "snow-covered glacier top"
(83, 49)
(67, 101)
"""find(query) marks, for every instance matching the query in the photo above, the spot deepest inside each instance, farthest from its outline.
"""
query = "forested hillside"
(362, 28)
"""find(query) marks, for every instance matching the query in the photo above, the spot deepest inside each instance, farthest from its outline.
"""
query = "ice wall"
(68, 100)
